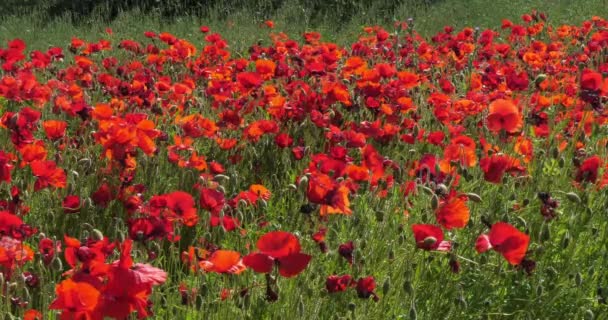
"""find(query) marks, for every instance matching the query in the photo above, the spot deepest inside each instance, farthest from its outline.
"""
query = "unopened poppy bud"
(461, 302)
(540, 78)
(578, 279)
(379, 215)
(221, 177)
(221, 189)
(352, 306)
(408, 287)
(303, 181)
(413, 313)
(522, 221)
(301, 308)
(589, 315)
(566, 240)
(57, 265)
(561, 162)
(386, 286)
(427, 190)
(554, 153)
(474, 197)
(551, 271)
(573, 197)
(539, 290)
(434, 202)
(97, 235)
(545, 233)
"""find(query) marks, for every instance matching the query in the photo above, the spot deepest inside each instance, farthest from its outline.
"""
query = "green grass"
(244, 27)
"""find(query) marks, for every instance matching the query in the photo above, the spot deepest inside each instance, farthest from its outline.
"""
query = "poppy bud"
(461, 301)
(539, 290)
(573, 197)
(221, 177)
(97, 235)
(413, 313)
(434, 202)
(379, 215)
(474, 197)
(352, 306)
(408, 287)
(551, 272)
(589, 315)
(545, 233)
(386, 286)
(540, 78)
(578, 279)
(566, 240)
(301, 308)
(57, 265)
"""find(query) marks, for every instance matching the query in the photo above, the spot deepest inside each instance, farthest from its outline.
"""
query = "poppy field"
(462, 175)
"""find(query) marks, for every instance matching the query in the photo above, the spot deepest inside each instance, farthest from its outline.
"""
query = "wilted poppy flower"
(507, 240)
(504, 115)
(280, 248)
(346, 251)
(335, 283)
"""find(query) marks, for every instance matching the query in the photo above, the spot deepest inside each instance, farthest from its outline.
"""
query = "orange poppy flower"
(76, 300)
(504, 115)
(453, 213)
(54, 129)
(461, 149)
(223, 261)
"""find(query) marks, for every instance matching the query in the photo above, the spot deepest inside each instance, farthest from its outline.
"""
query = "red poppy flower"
(335, 283)
(281, 248)
(494, 167)
(48, 175)
(5, 166)
(504, 115)
(507, 240)
(365, 288)
(588, 170)
(429, 237)
(346, 251)
(462, 150)
(591, 80)
(71, 204)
